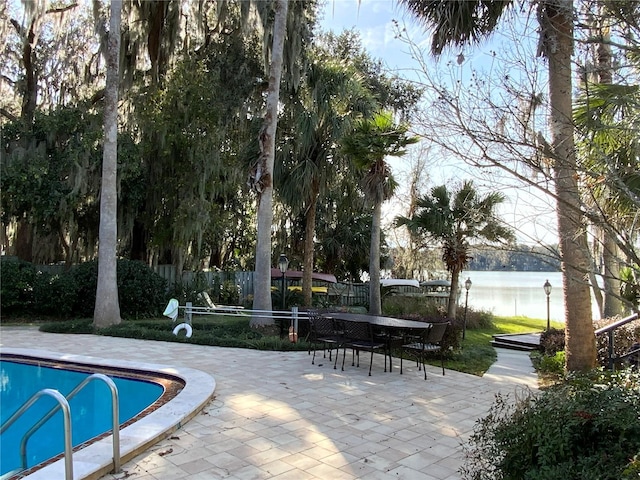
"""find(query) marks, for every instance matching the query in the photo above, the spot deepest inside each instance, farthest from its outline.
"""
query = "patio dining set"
(372, 333)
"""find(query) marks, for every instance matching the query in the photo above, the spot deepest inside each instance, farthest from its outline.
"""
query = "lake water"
(515, 293)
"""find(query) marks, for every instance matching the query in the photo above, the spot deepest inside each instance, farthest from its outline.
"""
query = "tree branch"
(8, 114)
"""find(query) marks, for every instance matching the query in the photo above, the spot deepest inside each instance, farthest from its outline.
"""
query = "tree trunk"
(452, 306)
(610, 257)
(375, 302)
(612, 304)
(107, 308)
(30, 94)
(24, 240)
(264, 171)
(309, 234)
(557, 30)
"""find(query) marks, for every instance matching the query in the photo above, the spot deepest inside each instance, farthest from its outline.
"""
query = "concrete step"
(521, 342)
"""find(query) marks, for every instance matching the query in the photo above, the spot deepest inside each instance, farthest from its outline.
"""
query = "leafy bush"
(228, 331)
(16, 285)
(69, 326)
(55, 295)
(189, 291)
(551, 364)
(587, 427)
(229, 293)
(476, 318)
(552, 341)
(292, 298)
(141, 291)
(399, 305)
(27, 291)
(85, 276)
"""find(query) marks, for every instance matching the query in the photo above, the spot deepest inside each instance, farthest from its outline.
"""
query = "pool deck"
(274, 415)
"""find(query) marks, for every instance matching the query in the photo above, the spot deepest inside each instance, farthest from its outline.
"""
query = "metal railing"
(294, 315)
(63, 403)
(610, 331)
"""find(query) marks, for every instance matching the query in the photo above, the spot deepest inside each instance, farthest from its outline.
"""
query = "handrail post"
(294, 314)
(188, 313)
(611, 349)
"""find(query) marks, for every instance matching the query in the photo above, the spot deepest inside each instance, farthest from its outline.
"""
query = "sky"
(377, 22)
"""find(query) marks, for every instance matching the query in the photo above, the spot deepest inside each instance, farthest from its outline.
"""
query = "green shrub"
(55, 295)
(552, 341)
(552, 364)
(587, 427)
(476, 319)
(69, 326)
(229, 293)
(141, 291)
(190, 291)
(85, 276)
(16, 285)
(399, 305)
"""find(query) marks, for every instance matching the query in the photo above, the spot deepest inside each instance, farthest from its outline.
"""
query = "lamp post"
(467, 286)
(283, 264)
(547, 291)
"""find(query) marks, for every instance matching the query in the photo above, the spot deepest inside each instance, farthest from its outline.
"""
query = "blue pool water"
(90, 409)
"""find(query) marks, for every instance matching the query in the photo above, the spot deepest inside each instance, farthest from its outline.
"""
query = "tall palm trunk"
(611, 261)
(309, 234)
(263, 179)
(612, 305)
(375, 301)
(452, 306)
(107, 308)
(579, 331)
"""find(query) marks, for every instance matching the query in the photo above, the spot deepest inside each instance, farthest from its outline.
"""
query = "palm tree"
(458, 22)
(608, 148)
(262, 175)
(372, 140)
(454, 219)
(332, 97)
(107, 308)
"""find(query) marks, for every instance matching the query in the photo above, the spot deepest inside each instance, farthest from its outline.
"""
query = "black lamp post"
(467, 286)
(547, 291)
(283, 264)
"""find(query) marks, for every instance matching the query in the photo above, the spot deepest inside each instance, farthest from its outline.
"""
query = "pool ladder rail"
(63, 403)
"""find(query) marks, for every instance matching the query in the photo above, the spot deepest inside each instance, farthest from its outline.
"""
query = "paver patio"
(276, 416)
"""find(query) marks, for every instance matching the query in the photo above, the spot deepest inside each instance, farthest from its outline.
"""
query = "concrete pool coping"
(96, 460)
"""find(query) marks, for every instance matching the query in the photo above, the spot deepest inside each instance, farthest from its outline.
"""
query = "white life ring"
(184, 326)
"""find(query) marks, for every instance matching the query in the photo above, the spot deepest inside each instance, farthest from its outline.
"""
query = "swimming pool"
(90, 408)
(94, 458)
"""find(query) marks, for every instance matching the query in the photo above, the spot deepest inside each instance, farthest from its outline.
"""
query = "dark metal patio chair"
(429, 341)
(359, 336)
(323, 331)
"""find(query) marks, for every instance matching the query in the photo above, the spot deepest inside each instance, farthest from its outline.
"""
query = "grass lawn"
(475, 357)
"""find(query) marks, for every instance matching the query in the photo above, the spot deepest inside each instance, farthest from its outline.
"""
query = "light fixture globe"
(283, 263)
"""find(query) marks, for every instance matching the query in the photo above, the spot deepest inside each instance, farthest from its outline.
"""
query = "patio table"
(380, 321)
(390, 327)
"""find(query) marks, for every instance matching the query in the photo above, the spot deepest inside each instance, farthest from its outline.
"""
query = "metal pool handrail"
(66, 415)
(62, 401)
